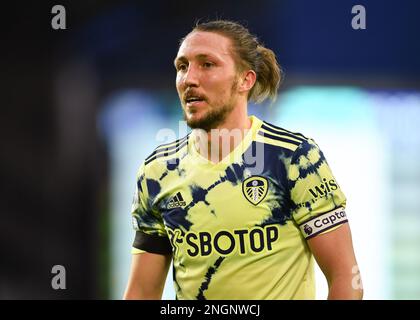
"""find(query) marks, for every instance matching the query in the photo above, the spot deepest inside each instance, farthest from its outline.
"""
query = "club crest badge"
(255, 189)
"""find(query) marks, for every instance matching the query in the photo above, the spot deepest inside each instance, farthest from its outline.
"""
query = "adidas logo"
(177, 201)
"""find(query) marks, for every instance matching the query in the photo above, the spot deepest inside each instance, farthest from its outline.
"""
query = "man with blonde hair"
(240, 206)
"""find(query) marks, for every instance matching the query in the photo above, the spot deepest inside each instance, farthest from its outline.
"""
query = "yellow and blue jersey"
(237, 229)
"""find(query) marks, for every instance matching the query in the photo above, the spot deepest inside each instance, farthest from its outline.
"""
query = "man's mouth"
(194, 101)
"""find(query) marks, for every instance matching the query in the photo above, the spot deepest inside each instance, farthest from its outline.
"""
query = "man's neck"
(221, 141)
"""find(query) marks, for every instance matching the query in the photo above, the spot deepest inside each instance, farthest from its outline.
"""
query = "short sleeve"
(318, 202)
(150, 230)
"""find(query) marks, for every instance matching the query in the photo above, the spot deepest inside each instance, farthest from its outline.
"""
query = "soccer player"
(240, 205)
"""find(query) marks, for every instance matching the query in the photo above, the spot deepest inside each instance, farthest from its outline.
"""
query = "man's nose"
(191, 77)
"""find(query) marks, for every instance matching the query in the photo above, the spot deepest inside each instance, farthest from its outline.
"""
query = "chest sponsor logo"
(224, 242)
(255, 189)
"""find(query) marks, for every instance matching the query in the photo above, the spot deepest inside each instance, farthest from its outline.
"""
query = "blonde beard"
(214, 117)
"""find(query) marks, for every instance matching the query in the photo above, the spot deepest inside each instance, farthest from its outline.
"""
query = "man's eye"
(208, 64)
(181, 67)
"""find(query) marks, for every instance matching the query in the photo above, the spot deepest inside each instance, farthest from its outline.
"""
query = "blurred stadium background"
(82, 107)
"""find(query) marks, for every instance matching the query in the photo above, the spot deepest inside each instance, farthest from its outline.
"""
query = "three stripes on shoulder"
(168, 149)
(277, 136)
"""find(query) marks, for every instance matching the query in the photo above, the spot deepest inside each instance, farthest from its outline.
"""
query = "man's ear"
(247, 80)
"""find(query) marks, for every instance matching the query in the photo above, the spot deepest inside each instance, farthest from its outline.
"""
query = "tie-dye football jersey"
(237, 229)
